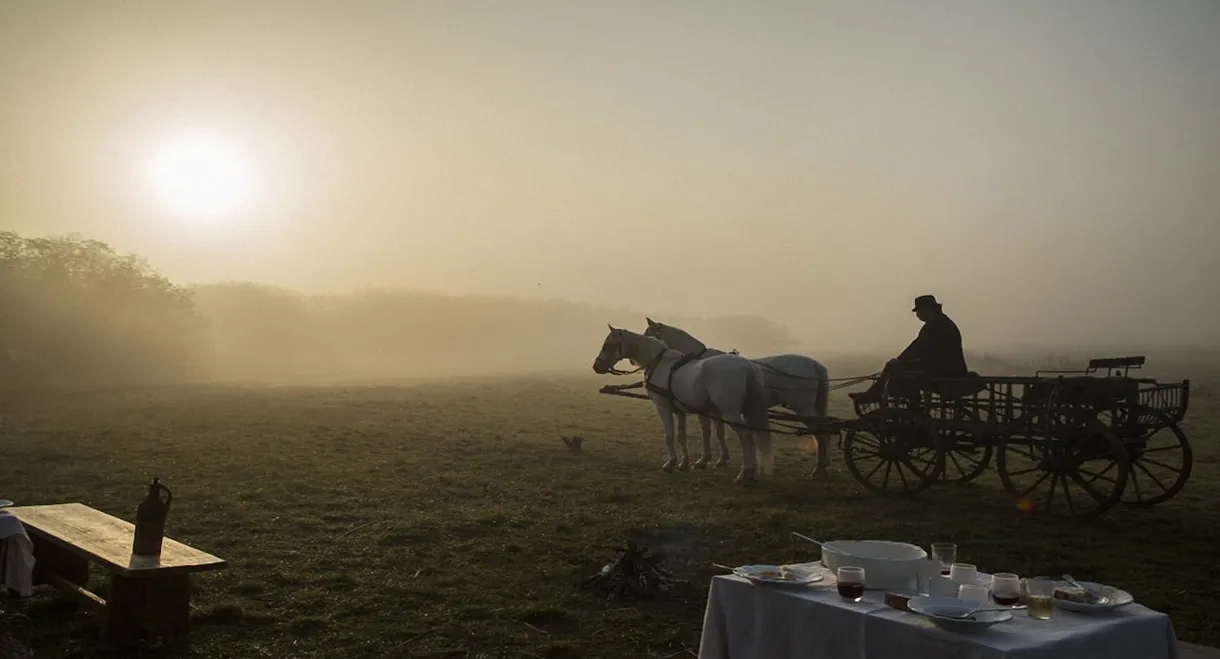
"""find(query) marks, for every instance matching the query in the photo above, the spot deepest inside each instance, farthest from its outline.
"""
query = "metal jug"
(150, 520)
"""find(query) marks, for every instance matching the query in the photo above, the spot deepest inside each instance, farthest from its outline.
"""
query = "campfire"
(636, 573)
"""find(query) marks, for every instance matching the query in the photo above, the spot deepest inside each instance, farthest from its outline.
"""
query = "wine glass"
(946, 553)
(1005, 588)
(851, 583)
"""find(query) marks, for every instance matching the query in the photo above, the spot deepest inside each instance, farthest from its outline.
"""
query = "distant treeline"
(74, 311)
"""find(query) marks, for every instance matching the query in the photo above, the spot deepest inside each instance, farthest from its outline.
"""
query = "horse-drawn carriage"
(1072, 441)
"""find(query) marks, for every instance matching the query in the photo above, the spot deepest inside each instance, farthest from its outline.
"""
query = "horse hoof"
(721, 464)
(684, 465)
(668, 467)
(701, 464)
(745, 479)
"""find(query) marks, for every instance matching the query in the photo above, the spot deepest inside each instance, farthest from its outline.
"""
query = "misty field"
(447, 519)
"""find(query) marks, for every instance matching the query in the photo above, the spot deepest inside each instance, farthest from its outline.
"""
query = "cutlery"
(1094, 597)
(970, 613)
(808, 539)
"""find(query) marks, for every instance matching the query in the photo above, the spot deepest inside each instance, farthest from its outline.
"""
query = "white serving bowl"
(887, 565)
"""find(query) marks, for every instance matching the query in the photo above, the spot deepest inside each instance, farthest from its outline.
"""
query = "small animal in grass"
(573, 443)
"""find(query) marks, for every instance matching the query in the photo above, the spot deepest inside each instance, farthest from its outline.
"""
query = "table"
(146, 592)
(744, 621)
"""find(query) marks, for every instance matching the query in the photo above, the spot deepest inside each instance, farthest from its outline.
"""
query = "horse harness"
(668, 391)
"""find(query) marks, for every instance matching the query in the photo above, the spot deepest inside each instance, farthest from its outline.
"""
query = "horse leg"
(748, 472)
(684, 463)
(820, 410)
(706, 430)
(822, 440)
(667, 420)
(823, 467)
(724, 444)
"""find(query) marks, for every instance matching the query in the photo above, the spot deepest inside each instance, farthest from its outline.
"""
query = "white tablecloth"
(17, 567)
(744, 621)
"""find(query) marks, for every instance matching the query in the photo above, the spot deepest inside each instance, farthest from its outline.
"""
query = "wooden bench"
(146, 593)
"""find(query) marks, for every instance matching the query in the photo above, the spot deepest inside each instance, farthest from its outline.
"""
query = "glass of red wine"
(946, 553)
(851, 583)
(1005, 588)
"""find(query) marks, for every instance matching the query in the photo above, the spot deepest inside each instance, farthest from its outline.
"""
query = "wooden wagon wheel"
(964, 456)
(1045, 469)
(893, 460)
(1161, 458)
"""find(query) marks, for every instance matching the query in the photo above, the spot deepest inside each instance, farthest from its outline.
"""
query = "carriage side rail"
(1170, 399)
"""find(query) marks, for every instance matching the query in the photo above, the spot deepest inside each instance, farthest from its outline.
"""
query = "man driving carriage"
(936, 352)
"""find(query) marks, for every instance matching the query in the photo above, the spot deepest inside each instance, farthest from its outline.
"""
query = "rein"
(842, 382)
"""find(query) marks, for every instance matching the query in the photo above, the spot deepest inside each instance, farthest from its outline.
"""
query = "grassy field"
(447, 519)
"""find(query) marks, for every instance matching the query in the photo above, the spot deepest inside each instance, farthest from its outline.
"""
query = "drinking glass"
(946, 553)
(1005, 588)
(1041, 593)
(972, 592)
(942, 586)
(851, 583)
(964, 573)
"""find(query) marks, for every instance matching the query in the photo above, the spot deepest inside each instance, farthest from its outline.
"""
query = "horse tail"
(822, 397)
(758, 420)
(821, 406)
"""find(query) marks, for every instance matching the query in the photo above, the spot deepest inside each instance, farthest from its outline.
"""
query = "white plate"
(793, 576)
(933, 609)
(1113, 598)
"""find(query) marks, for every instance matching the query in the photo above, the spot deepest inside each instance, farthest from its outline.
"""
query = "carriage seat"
(953, 388)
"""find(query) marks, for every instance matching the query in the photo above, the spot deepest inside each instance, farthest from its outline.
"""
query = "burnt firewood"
(635, 572)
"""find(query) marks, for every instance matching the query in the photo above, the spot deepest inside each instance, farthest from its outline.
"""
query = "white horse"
(729, 387)
(797, 382)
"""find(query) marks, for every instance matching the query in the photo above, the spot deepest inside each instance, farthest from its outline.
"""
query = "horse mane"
(643, 340)
(688, 335)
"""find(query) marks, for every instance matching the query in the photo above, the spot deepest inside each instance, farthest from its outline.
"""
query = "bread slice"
(1073, 594)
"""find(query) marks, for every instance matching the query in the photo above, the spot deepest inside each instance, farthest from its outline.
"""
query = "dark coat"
(937, 350)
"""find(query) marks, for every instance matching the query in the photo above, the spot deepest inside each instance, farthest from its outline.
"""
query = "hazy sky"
(1049, 168)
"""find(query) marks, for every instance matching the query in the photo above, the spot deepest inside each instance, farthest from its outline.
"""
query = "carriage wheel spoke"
(888, 467)
(1097, 476)
(871, 443)
(1162, 465)
(1154, 478)
(1133, 481)
(929, 463)
(1028, 452)
(1067, 496)
(869, 477)
(950, 458)
(969, 457)
(1175, 447)
(1050, 494)
(1088, 487)
(1024, 471)
(1035, 485)
(905, 485)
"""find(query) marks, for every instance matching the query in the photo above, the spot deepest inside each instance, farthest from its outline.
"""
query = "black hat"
(926, 302)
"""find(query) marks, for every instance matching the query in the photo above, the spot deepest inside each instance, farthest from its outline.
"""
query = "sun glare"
(199, 176)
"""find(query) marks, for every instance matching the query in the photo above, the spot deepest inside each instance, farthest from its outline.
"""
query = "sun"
(200, 176)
